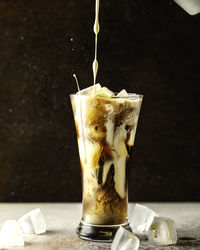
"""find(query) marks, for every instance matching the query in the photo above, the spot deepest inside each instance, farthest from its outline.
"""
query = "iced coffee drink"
(106, 124)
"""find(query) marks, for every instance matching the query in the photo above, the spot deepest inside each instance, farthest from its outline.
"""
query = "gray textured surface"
(62, 219)
(145, 46)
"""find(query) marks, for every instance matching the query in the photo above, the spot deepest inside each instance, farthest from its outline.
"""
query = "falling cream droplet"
(95, 69)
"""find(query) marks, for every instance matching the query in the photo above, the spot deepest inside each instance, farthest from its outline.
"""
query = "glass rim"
(132, 96)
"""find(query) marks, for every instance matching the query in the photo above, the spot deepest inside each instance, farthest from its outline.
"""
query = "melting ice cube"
(11, 234)
(90, 90)
(190, 6)
(122, 93)
(33, 222)
(142, 218)
(162, 232)
(105, 92)
(26, 224)
(125, 240)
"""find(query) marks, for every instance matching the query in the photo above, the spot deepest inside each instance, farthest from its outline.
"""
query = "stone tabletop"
(62, 219)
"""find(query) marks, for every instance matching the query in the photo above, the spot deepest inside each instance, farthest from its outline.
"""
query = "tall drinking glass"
(106, 128)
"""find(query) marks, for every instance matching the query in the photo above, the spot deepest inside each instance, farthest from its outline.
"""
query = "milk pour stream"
(96, 31)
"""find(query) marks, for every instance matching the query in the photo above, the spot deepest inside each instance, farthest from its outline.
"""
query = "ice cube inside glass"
(106, 127)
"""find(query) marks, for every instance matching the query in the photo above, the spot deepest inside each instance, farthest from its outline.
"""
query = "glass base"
(99, 233)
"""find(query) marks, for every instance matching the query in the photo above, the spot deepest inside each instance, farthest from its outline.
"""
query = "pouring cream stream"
(96, 31)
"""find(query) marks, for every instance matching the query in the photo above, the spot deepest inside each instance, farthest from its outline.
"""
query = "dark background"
(146, 46)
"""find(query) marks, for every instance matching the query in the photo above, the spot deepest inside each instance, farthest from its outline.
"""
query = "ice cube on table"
(11, 234)
(142, 218)
(38, 221)
(125, 240)
(33, 222)
(26, 224)
(122, 93)
(190, 6)
(162, 232)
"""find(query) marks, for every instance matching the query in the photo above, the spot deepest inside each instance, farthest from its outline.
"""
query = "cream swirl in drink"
(106, 125)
